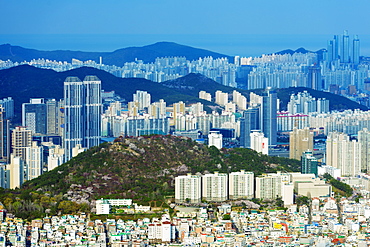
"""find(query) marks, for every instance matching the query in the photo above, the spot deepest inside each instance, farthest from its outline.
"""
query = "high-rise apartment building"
(300, 140)
(273, 185)
(82, 109)
(178, 109)
(268, 115)
(16, 171)
(21, 140)
(314, 79)
(34, 116)
(4, 136)
(241, 185)
(308, 163)
(143, 98)
(215, 139)
(221, 98)
(197, 109)
(52, 112)
(239, 100)
(34, 161)
(341, 47)
(55, 155)
(364, 140)
(8, 105)
(356, 51)
(160, 108)
(214, 187)
(250, 121)
(344, 56)
(343, 153)
(188, 188)
(204, 95)
(259, 142)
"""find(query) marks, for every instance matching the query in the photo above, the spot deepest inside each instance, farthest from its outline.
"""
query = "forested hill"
(142, 168)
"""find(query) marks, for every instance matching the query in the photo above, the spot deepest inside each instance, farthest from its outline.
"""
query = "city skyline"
(236, 28)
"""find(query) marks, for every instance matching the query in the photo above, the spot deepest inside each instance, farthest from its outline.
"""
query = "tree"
(226, 217)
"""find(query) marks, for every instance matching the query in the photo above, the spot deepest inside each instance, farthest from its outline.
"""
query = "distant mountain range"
(118, 57)
(25, 82)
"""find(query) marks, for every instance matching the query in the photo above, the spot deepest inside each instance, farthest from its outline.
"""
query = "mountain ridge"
(24, 82)
(117, 57)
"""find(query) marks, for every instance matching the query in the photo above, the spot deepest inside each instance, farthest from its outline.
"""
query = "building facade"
(83, 106)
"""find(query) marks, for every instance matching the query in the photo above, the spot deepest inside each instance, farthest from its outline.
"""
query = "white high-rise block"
(241, 185)
(214, 187)
(188, 188)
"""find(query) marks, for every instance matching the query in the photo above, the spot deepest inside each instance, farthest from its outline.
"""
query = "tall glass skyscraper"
(82, 109)
(4, 136)
(268, 116)
(249, 122)
(34, 116)
(345, 48)
(356, 51)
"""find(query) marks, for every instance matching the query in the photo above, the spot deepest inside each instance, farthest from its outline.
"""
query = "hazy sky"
(190, 17)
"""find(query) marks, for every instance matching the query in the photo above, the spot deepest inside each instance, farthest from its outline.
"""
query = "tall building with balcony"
(34, 116)
(188, 188)
(83, 106)
(241, 185)
(21, 140)
(8, 105)
(300, 140)
(214, 187)
(343, 153)
(4, 136)
(308, 163)
(143, 98)
(273, 185)
(259, 142)
(268, 115)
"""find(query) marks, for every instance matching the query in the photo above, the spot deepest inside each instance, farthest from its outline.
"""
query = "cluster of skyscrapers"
(52, 132)
(334, 69)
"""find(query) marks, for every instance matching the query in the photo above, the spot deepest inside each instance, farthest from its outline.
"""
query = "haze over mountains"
(25, 82)
(118, 57)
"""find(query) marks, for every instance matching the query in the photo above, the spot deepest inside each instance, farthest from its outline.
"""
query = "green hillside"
(141, 168)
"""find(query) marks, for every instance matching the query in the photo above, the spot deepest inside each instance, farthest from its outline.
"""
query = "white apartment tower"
(273, 185)
(214, 187)
(259, 142)
(215, 139)
(197, 109)
(204, 95)
(143, 98)
(344, 154)
(17, 170)
(178, 109)
(221, 98)
(34, 160)
(240, 100)
(188, 188)
(364, 140)
(21, 139)
(241, 185)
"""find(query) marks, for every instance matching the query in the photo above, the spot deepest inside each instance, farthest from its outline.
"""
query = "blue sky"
(171, 18)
